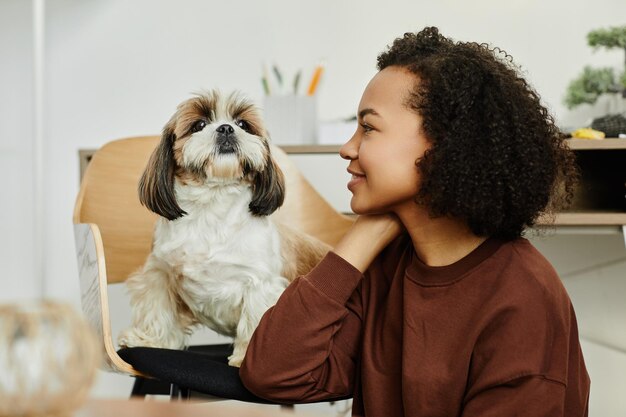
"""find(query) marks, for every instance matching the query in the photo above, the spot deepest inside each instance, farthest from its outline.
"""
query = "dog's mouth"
(226, 144)
(225, 167)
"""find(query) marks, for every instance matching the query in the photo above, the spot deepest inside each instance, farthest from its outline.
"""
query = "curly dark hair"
(497, 159)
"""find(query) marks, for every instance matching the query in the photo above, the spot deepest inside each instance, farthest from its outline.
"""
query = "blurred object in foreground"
(48, 357)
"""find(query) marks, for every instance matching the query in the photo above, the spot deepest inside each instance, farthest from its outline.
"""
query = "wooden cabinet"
(601, 193)
(600, 198)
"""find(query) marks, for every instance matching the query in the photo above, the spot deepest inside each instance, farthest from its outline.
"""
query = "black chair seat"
(203, 369)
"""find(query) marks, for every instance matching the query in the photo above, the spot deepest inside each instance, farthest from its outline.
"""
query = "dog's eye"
(198, 126)
(243, 124)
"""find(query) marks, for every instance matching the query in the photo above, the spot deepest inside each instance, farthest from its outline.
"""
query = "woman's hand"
(367, 237)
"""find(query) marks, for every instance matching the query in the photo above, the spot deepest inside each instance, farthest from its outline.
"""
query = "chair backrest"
(108, 198)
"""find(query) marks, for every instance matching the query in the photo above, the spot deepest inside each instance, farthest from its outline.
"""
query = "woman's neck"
(438, 241)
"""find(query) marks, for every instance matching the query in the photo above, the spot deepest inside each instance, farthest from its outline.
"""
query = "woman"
(433, 304)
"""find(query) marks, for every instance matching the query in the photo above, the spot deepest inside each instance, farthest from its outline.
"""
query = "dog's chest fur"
(218, 252)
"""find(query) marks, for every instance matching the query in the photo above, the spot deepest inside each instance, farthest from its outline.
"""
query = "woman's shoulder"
(526, 261)
(526, 277)
(527, 315)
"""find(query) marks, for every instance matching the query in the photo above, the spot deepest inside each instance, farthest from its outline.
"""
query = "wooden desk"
(141, 408)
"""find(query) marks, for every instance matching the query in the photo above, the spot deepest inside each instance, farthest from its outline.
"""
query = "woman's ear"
(268, 188)
(156, 187)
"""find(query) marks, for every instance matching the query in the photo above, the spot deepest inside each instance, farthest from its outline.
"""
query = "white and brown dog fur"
(218, 258)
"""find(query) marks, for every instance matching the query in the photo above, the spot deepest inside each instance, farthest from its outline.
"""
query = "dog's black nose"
(225, 129)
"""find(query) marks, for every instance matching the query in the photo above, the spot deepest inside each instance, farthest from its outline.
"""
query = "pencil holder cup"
(291, 119)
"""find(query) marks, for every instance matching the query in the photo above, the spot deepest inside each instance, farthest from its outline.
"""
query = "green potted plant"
(593, 82)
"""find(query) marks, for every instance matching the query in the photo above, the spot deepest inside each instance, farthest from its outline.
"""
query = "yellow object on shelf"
(587, 133)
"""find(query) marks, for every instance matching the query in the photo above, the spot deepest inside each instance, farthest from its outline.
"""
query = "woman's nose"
(350, 149)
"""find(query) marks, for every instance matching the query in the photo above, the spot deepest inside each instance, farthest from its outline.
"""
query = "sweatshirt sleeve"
(531, 396)
(306, 346)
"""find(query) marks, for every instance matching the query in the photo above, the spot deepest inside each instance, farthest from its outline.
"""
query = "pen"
(278, 75)
(296, 82)
(266, 87)
(315, 80)
(265, 81)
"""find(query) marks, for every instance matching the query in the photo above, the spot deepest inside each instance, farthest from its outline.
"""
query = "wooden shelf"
(596, 218)
(574, 144)
(310, 148)
(595, 144)
(572, 219)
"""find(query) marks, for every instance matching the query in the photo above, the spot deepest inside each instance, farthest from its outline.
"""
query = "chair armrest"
(93, 288)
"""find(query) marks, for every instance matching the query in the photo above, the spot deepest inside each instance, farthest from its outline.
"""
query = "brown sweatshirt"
(493, 334)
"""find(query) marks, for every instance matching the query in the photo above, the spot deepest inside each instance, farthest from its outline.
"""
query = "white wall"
(17, 238)
(116, 68)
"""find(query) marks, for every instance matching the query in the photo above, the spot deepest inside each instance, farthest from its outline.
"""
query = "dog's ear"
(268, 188)
(156, 187)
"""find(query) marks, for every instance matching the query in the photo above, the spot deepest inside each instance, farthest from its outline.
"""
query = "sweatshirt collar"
(432, 276)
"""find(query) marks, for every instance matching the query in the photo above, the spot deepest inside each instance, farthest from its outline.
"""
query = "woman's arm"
(306, 347)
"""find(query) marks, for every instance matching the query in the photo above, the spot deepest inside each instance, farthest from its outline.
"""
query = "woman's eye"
(243, 124)
(366, 128)
(198, 126)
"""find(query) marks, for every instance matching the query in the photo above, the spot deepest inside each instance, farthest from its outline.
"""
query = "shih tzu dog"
(218, 258)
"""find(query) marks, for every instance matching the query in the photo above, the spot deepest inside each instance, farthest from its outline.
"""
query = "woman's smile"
(356, 179)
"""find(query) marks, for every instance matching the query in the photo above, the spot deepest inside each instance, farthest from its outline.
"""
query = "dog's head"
(212, 140)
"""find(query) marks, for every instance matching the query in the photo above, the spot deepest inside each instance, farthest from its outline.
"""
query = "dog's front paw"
(134, 337)
(235, 360)
(239, 352)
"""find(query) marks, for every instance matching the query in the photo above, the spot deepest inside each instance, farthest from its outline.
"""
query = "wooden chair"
(113, 233)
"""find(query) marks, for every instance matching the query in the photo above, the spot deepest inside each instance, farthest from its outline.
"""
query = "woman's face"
(386, 146)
